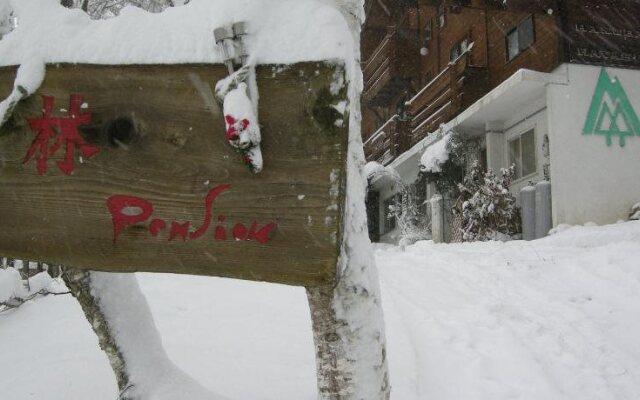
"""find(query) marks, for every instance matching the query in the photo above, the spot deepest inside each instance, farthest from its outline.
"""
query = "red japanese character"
(66, 129)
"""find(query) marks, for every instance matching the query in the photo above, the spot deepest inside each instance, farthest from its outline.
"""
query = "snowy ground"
(558, 318)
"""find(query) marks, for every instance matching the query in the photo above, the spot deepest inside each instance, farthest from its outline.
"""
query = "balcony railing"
(390, 67)
(388, 142)
(453, 90)
(448, 94)
(379, 146)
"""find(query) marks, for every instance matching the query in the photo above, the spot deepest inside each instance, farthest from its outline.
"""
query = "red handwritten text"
(130, 210)
(66, 130)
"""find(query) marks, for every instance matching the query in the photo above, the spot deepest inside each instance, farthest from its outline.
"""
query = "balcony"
(390, 68)
(453, 90)
(389, 141)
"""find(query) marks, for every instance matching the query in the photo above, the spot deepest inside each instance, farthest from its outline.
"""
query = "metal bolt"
(224, 39)
(240, 31)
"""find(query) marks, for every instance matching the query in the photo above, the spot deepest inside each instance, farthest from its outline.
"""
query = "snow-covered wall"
(282, 31)
(593, 181)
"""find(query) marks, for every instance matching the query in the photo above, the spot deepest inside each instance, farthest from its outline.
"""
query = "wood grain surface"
(160, 137)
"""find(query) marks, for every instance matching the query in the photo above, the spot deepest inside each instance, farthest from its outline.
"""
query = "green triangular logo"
(611, 113)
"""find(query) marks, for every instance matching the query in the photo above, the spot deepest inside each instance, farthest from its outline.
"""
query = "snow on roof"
(282, 31)
(436, 155)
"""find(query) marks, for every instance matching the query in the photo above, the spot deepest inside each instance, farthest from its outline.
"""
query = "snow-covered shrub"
(17, 287)
(410, 217)
(14, 290)
(8, 19)
(487, 209)
(634, 215)
(10, 284)
(98, 9)
(406, 210)
(444, 162)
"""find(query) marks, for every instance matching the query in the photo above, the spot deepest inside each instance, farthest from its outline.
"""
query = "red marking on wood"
(156, 226)
(120, 207)
(179, 229)
(262, 235)
(46, 127)
(118, 203)
(220, 234)
(208, 204)
(234, 126)
(239, 232)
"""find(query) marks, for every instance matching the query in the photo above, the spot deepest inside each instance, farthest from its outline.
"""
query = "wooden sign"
(127, 168)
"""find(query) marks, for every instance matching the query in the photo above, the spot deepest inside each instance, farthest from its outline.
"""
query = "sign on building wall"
(603, 32)
(611, 113)
(127, 168)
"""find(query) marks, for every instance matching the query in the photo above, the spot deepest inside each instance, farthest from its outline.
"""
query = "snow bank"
(635, 212)
(153, 374)
(553, 319)
(436, 155)
(282, 31)
(12, 286)
(374, 169)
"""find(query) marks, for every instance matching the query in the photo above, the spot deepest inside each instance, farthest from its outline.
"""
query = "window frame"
(390, 223)
(519, 162)
(517, 29)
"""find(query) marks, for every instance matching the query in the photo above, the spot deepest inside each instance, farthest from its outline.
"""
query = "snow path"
(551, 319)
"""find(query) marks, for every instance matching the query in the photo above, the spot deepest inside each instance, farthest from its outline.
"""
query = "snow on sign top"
(282, 31)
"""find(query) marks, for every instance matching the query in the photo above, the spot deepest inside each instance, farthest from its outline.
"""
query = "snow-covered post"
(347, 317)
(78, 283)
(121, 318)
(437, 218)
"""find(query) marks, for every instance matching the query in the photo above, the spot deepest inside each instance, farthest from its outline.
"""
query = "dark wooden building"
(425, 61)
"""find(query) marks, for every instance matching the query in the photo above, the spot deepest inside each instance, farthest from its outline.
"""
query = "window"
(441, 15)
(520, 38)
(522, 153)
(457, 50)
(389, 210)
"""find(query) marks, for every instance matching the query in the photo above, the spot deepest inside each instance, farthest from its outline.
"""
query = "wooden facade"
(458, 50)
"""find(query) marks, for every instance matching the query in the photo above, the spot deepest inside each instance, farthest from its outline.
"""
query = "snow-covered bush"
(487, 209)
(14, 290)
(100, 9)
(8, 19)
(406, 210)
(634, 215)
(444, 162)
(410, 219)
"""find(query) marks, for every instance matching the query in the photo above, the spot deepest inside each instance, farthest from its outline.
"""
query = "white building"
(577, 127)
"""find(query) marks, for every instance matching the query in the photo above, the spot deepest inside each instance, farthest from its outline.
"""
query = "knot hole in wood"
(121, 132)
